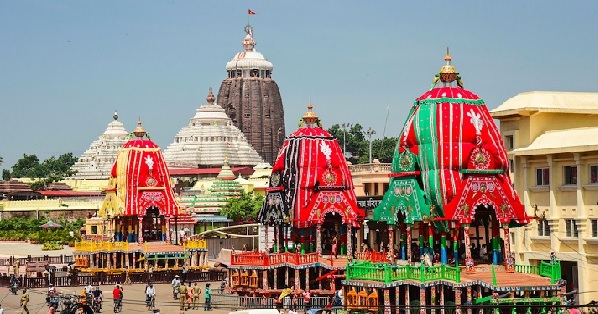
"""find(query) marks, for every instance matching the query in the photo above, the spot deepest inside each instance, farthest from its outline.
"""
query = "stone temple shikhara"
(252, 99)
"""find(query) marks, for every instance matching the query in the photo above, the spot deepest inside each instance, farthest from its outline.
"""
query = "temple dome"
(96, 162)
(249, 59)
(208, 139)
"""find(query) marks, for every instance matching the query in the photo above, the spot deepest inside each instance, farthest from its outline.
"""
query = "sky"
(65, 66)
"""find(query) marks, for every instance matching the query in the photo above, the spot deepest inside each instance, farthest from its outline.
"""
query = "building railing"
(85, 246)
(545, 269)
(49, 204)
(366, 270)
(263, 259)
(375, 257)
(371, 168)
(199, 244)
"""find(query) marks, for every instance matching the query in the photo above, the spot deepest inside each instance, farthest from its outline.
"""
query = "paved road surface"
(134, 300)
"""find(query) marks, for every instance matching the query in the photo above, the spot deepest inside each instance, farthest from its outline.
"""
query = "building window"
(570, 175)
(512, 165)
(571, 228)
(542, 176)
(543, 228)
(94, 229)
(509, 142)
(594, 174)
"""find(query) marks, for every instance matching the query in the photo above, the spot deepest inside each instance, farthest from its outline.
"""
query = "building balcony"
(375, 167)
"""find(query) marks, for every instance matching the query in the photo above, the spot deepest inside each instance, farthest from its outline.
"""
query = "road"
(134, 299)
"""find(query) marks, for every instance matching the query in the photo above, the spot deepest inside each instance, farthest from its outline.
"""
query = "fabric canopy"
(310, 178)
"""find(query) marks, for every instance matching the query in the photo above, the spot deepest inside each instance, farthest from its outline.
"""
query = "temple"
(96, 162)
(208, 140)
(449, 200)
(252, 99)
(310, 215)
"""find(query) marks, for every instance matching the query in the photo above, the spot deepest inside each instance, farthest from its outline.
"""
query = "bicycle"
(150, 302)
(118, 305)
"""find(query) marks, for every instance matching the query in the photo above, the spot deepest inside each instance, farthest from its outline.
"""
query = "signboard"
(36, 267)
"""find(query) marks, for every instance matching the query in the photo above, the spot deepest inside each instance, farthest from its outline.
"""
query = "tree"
(51, 170)
(382, 149)
(5, 174)
(243, 208)
(27, 167)
(356, 144)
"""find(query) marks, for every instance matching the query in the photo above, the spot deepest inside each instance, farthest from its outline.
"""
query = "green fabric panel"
(433, 101)
(404, 195)
(425, 132)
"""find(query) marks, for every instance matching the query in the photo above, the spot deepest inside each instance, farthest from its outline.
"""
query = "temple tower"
(252, 99)
(96, 162)
(208, 140)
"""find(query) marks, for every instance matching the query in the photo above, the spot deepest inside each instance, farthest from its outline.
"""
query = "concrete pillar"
(469, 299)
(397, 300)
(371, 241)
(409, 243)
(349, 242)
(433, 299)
(359, 236)
(509, 261)
(387, 309)
(265, 280)
(457, 300)
(441, 299)
(167, 229)
(140, 232)
(319, 239)
(407, 298)
(469, 265)
(391, 243)
(422, 300)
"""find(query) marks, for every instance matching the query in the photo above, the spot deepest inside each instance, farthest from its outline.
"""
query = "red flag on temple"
(250, 12)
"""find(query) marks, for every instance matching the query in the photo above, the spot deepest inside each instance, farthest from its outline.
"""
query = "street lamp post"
(345, 127)
(369, 133)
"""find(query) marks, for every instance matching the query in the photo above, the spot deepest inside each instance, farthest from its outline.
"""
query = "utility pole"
(369, 133)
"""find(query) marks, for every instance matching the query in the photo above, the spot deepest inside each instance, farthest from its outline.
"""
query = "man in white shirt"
(88, 289)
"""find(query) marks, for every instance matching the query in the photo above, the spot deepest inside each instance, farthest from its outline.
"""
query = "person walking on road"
(24, 302)
(208, 294)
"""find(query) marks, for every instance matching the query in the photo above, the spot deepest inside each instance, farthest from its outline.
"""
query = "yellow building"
(552, 139)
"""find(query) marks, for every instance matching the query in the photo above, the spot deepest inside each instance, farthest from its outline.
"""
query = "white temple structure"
(209, 139)
(96, 162)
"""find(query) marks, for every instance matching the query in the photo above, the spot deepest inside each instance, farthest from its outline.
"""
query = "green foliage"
(51, 246)
(243, 208)
(356, 142)
(383, 149)
(22, 229)
(51, 170)
(6, 174)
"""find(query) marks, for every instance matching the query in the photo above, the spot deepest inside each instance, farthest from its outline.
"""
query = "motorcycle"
(96, 305)
(14, 288)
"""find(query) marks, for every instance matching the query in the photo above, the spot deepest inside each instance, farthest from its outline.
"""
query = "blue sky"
(65, 66)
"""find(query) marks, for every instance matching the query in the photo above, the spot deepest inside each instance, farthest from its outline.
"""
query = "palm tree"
(1, 160)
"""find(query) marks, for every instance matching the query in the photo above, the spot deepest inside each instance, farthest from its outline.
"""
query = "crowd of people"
(189, 295)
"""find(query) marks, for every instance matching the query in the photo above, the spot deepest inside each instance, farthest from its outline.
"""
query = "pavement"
(134, 299)
(23, 249)
(134, 295)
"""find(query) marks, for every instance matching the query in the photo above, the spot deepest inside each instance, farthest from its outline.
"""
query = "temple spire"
(310, 118)
(139, 130)
(448, 73)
